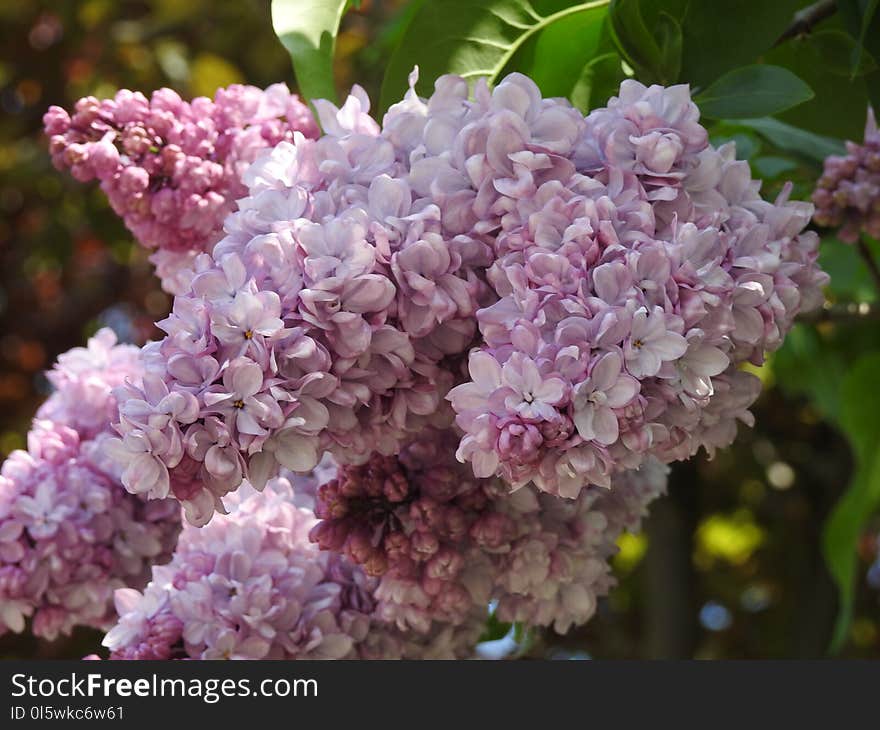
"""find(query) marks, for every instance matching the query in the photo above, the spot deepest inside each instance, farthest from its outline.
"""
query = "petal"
(145, 474)
(246, 378)
(126, 600)
(707, 360)
(485, 371)
(606, 371)
(484, 463)
(622, 392)
(295, 451)
(669, 347)
(605, 426)
(583, 419)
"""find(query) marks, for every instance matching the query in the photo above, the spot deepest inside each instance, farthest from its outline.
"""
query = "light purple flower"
(651, 343)
(595, 399)
(70, 533)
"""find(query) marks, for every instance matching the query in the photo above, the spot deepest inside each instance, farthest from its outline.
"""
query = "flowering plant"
(420, 367)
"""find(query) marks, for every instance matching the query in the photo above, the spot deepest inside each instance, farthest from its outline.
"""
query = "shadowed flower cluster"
(69, 532)
(444, 543)
(847, 196)
(172, 169)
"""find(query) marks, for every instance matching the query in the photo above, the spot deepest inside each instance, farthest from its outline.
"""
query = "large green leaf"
(720, 35)
(555, 57)
(307, 29)
(810, 365)
(475, 39)
(597, 82)
(860, 404)
(654, 52)
(793, 139)
(862, 19)
(851, 281)
(840, 102)
(753, 91)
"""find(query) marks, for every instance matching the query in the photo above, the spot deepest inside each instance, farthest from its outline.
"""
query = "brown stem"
(850, 312)
(670, 612)
(806, 19)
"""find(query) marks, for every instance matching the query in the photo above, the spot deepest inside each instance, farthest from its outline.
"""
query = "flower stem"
(870, 262)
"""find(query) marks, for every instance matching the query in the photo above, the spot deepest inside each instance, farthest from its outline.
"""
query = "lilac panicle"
(173, 169)
(69, 532)
(847, 196)
(251, 586)
(583, 290)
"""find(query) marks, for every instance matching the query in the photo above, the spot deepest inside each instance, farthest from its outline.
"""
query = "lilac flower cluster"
(69, 532)
(172, 169)
(847, 196)
(557, 564)
(414, 519)
(618, 268)
(333, 316)
(251, 586)
(636, 267)
(444, 544)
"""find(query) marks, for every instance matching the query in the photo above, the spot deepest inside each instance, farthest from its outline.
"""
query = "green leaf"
(862, 19)
(810, 364)
(840, 102)
(472, 39)
(772, 166)
(836, 51)
(308, 29)
(655, 56)
(792, 139)
(860, 404)
(598, 81)
(669, 38)
(555, 56)
(864, 35)
(753, 91)
(720, 35)
(495, 629)
(850, 279)
(858, 17)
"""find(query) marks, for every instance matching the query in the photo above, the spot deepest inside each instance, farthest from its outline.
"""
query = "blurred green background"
(729, 565)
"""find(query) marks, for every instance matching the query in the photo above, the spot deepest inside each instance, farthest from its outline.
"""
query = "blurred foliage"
(730, 563)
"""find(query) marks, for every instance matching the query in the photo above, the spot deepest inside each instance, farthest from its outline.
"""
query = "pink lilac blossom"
(251, 586)
(636, 268)
(584, 290)
(333, 316)
(442, 542)
(69, 532)
(172, 169)
(414, 520)
(847, 196)
(558, 563)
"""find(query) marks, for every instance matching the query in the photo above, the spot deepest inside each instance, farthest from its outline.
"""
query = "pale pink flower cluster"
(558, 563)
(445, 544)
(251, 586)
(847, 196)
(333, 316)
(636, 268)
(619, 270)
(172, 169)
(69, 532)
